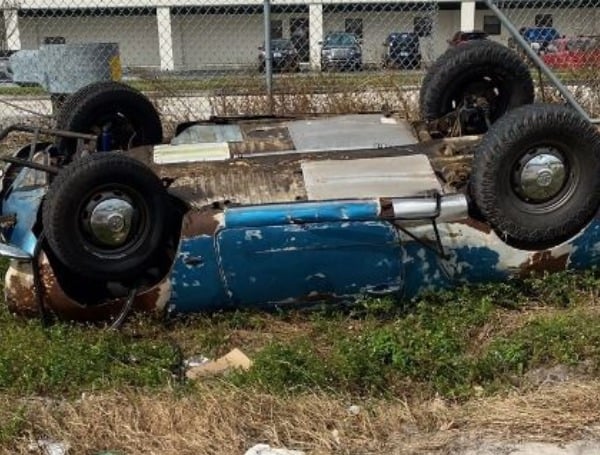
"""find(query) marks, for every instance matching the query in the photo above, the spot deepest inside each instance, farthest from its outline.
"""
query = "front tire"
(105, 216)
(535, 175)
(477, 68)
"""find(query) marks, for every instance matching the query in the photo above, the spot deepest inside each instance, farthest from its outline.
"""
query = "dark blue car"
(539, 37)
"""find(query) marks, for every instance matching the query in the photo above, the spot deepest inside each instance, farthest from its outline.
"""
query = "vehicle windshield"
(281, 44)
(572, 45)
(403, 39)
(340, 39)
(581, 44)
(541, 34)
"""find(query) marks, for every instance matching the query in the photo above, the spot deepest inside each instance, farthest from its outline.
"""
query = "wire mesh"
(566, 36)
(201, 59)
(207, 58)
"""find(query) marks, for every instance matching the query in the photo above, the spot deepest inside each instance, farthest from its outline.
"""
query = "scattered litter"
(335, 434)
(232, 360)
(265, 449)
(195, 361)
(354, 410)
(49, 447)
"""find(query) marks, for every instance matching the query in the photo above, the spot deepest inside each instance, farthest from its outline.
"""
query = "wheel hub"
(110, 221)
(541, 177)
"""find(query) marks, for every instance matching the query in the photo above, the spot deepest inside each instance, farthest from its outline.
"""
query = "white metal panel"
(350, 132)
(397, 176)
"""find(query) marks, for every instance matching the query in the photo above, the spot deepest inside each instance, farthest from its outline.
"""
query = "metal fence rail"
(197, 59)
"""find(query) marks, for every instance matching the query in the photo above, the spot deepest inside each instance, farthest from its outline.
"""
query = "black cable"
(37, 281)
(116, 325)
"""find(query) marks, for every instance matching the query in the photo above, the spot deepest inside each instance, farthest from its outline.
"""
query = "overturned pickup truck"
(264, 212)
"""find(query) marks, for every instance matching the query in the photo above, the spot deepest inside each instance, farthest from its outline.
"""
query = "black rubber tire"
(93, 104)
(475, 61)
(65, 203)
(522, 222)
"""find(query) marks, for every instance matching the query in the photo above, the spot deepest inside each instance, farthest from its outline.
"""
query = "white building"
(183, 35)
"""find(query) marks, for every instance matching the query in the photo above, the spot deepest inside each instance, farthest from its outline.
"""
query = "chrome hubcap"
(110, 220)
(541, 177)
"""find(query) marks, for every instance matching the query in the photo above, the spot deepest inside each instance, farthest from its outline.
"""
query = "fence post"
(268, 54)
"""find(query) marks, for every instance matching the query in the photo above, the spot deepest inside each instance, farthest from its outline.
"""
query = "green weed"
(65, 358)
(448, 343)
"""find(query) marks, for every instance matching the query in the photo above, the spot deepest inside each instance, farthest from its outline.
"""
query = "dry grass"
(220, 419)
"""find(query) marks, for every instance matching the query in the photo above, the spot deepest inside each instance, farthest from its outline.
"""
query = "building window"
(491, 25)
(277, 29)
(422, 25)
(54, 40)
(355, 26)
(543, 20)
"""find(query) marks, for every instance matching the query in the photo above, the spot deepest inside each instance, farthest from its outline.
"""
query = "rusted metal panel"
(477, 254)
(204, 221)
(20, 295)
(278, 177)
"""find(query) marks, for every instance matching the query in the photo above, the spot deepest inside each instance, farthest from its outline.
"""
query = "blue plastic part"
(105, 140)
(25, 205)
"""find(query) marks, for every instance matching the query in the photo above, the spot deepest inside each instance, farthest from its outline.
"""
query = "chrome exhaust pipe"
(441, 208)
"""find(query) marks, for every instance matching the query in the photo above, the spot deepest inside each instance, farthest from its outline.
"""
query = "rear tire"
(535, 175)
(133, 119)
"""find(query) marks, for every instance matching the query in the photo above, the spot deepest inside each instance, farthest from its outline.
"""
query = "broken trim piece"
(13, 252)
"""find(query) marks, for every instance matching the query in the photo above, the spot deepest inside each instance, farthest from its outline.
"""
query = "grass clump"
(427, 344)
(566, 338)
(65, 359)
(455, 344)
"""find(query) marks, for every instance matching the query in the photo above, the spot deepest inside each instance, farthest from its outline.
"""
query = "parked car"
(573, 53)
(463, 36)
(401, 50)
(341, 50)
(284, 56)
(315, 216)
(538, 37)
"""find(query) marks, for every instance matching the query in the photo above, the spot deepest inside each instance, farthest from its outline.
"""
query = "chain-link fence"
(197, 60)
(565, 35)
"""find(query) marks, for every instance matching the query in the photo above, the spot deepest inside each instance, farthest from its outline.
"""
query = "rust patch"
(18, 290)
(198, 222)
(543, 261)
(260, 138)
(20, 296)
(387, 208)
(240, 181)
(476, 224)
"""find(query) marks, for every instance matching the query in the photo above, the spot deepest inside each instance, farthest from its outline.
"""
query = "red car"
(573, 53)
(464, 36)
